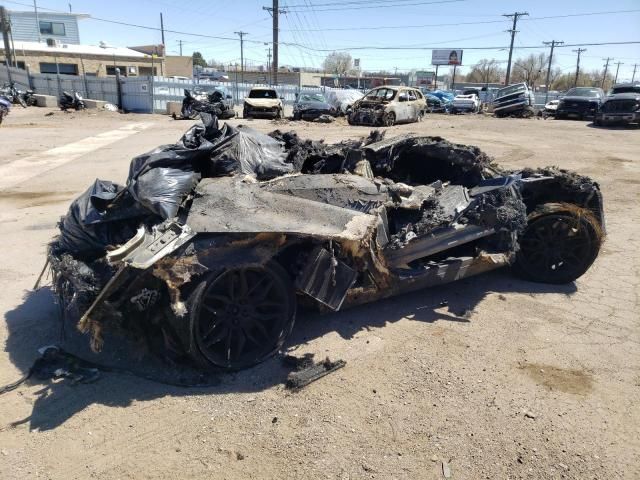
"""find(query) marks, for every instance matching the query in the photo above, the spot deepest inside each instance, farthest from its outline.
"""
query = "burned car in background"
(622, 106)
(516, 100)
(263, 102)
(309, 106)
(214, 241)
(386, 106)
(580, 103)
(218, 102)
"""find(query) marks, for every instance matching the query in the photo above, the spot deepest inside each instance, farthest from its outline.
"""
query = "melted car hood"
(342, 207)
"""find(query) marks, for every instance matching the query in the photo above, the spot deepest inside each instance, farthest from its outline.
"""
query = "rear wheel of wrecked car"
(389, 119)
(560, 243)
(242, 316)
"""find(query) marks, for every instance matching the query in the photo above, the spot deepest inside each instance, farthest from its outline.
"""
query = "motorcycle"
(10, 91)
(74, 101)
(5, 106)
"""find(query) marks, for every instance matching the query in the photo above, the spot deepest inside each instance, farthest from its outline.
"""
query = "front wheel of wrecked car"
(243, 315)
(559, 245)
(389, 119)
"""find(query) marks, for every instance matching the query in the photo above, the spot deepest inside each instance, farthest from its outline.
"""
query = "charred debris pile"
(161, 183)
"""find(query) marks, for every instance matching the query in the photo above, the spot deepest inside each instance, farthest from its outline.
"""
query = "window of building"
(21, 65)
(52, 28)
(63, 68)
(111, 70)
(146, 71)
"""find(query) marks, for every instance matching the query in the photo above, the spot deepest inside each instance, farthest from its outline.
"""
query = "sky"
(394, 35)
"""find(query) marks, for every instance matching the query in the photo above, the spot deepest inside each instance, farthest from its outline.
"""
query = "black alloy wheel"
(560, 243)
(242, 316)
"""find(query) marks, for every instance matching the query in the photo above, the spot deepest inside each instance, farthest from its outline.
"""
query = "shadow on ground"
(35, 323)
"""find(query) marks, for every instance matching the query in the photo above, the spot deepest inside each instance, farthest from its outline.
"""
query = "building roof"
(44, 13)
(77, 49)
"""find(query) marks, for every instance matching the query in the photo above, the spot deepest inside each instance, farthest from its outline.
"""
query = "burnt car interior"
(216, 240)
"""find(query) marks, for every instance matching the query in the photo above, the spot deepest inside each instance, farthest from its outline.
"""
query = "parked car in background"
(516, 100)
(389, 105)
(467, 101)
(263, 102)
(550, 108)
(580, 102)
(309, 106)
(622, 106)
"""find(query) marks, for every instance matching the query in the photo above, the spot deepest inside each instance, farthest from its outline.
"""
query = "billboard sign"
(424, 78)
(446, 57)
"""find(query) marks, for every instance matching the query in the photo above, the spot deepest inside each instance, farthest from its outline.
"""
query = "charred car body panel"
(335, 225)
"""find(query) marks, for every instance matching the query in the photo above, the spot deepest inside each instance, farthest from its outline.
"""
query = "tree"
(485, 71)
(198, 60)
(338, 63)
(531, 70)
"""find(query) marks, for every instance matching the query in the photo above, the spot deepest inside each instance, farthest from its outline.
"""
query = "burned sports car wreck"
(216, 240)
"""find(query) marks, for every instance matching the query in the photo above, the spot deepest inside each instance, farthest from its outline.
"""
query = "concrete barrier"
(94, 103)
(174, 107)
(46, 100)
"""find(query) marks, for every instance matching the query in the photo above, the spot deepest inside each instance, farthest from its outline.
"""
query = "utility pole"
(635, 65)
(269, 63)
(4, 26)
(275, 11)
(606, 67)
(579, 51)
(241, 34)
(617, 70)
(35, 9)
(513, 31)
(180, 43)
(162, 31)
(553, 43)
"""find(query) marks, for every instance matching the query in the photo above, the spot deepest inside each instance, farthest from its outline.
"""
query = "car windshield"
(263, 94)
(381, 94)
(510, 89)
(626, 89)
(312, 97)
(583, 92)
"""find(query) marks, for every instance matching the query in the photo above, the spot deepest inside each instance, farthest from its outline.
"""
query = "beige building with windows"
(71, 59)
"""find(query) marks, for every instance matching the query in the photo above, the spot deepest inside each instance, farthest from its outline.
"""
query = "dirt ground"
(508, 380)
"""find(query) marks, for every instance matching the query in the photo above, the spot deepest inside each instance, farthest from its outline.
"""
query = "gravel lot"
(533, 381)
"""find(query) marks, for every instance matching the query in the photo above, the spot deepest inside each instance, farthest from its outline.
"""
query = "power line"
(293, 44)
(373, 4)
(455, 24)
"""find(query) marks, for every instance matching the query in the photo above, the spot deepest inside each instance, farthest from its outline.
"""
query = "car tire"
(245, 113)
(389, 119)
(241, 316)
(559, 244)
